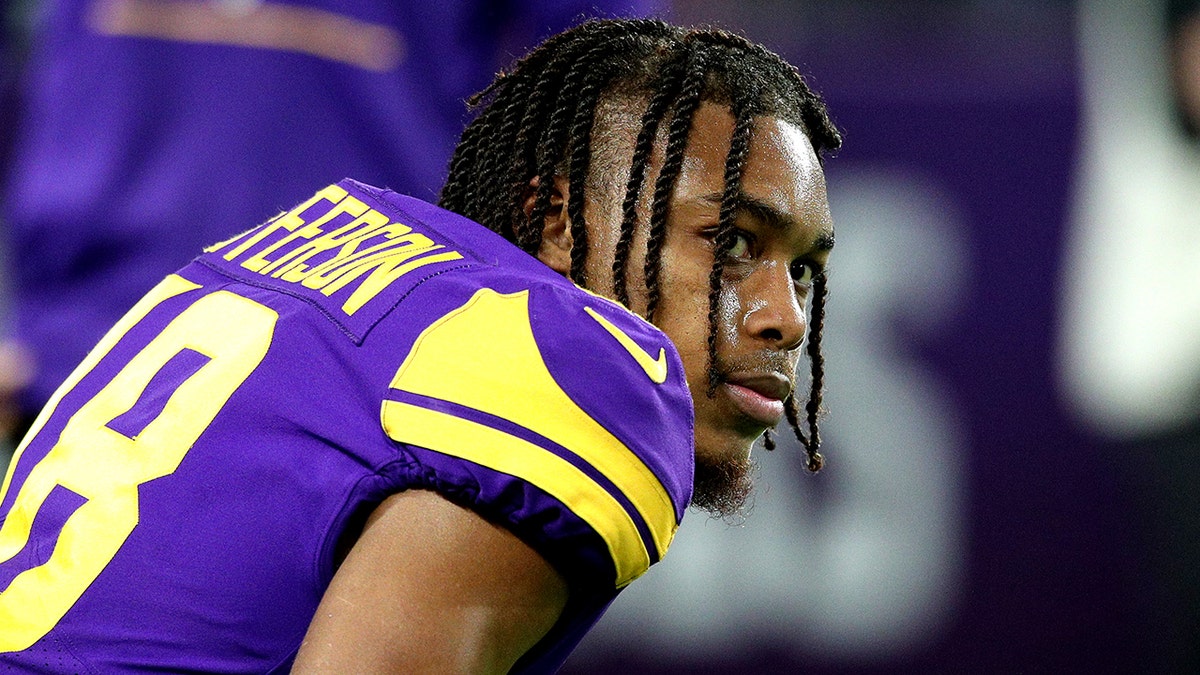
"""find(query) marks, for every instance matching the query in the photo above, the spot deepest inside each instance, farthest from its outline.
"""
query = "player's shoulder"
(533, 395)
(618, 366)
(566, 391)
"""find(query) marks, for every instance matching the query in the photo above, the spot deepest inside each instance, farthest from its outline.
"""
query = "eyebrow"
(771, 216)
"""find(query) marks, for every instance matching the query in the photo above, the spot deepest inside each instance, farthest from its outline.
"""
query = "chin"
(724, 479)
(716, 445)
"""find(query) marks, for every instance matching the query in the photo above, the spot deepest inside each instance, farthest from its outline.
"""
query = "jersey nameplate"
(334, 246)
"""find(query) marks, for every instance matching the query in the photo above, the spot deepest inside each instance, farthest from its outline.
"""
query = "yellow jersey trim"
(533, 464)
(483, 355)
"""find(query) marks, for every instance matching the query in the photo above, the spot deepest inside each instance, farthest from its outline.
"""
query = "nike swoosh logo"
(656, 369)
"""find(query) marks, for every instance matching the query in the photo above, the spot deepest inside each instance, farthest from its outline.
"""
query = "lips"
(759, 395)
(768, 384)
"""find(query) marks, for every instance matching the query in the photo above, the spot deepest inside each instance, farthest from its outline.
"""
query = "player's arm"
(432, 587)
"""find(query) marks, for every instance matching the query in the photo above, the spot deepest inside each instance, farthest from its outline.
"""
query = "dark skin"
(412, 595)
(786, 236)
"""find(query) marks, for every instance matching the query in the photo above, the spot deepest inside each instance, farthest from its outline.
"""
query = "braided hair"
(537, 120)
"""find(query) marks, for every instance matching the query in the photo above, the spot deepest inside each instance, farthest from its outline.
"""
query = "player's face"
(784, 236)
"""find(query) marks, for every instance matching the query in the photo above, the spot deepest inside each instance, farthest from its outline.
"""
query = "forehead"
(781, 168)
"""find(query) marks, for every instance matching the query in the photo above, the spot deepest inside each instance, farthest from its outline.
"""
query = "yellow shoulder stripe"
(514, 456)
(484, 356)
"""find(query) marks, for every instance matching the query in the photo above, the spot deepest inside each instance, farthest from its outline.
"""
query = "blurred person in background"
(139, 118)
(14, 368)
(1131, 331)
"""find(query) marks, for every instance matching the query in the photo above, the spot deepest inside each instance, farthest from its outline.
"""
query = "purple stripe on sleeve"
(530, 436)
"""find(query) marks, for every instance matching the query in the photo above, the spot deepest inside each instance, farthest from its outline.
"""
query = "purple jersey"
(180, 502)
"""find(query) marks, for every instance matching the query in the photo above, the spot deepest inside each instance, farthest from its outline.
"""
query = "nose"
(775, 315)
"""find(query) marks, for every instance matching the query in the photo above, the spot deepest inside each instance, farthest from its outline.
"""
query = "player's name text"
(328, 254)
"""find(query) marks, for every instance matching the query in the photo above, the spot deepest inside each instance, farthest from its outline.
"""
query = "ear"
(555, 250)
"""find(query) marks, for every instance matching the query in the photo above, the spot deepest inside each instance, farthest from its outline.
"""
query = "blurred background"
(1014, 331)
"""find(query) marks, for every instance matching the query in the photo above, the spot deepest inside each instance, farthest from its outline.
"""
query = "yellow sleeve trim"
(483, 355)
(501, 452)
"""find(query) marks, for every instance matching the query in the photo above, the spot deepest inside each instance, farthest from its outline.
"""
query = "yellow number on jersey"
(106, 467)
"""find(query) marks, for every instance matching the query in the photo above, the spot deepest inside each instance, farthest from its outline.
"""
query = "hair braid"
(792, 415)
(817, 359)
(552, 145)
(735, 161)
(586, 97)
(768, 440)
(502, 133)
(489, 176)
(568, 129)
(476, 153)
(812, 441)
(546, 148)
(677, 135)
(459, 195)
(667, 90)
(812, 112)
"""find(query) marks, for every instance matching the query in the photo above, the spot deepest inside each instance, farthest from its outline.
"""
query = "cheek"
(730, 313)
(684, 314)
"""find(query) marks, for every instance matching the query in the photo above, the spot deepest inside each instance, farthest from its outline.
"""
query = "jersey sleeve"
(558, 414)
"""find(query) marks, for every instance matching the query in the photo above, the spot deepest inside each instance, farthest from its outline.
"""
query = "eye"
(802, 272)
(741, 245)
